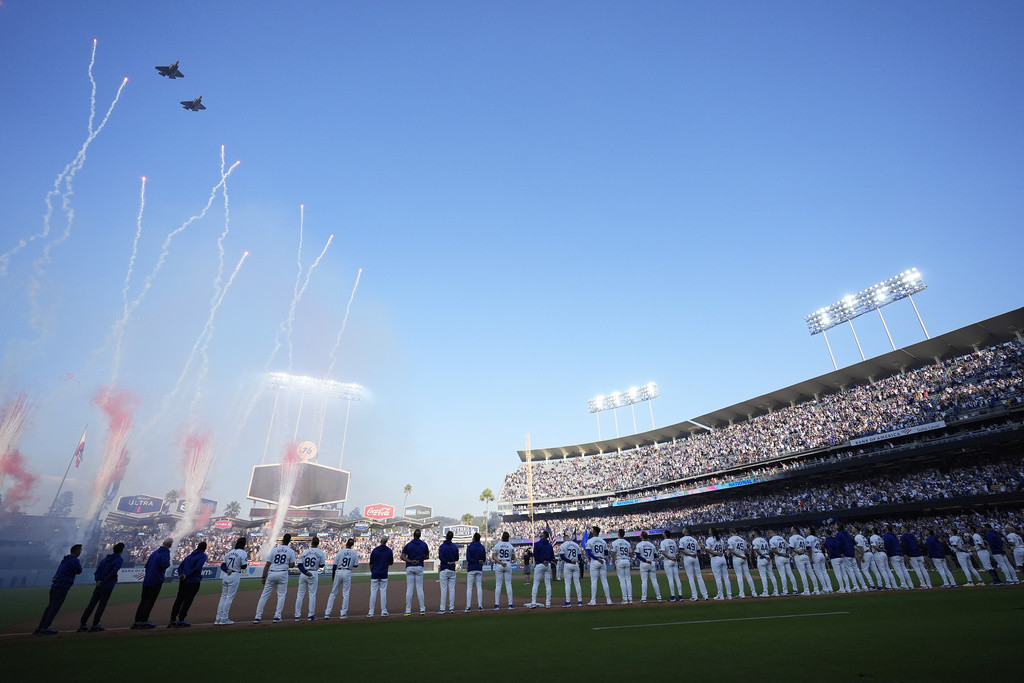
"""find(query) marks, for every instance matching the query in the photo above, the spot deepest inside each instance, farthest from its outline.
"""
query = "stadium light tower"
(902, 286)
(325, 388)
(618, 399)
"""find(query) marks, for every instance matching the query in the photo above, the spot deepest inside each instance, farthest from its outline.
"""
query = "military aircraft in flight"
(194, 105)
(170, 71)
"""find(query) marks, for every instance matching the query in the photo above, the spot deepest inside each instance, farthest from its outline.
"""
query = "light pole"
(619, 399)
(902, 286)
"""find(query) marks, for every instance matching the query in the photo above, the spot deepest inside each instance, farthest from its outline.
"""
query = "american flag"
(80, 451)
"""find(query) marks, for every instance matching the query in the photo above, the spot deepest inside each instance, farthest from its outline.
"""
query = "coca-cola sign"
(379, 511)
(222, 524)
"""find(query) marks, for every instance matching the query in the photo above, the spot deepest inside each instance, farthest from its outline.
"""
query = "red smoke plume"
(13, 463)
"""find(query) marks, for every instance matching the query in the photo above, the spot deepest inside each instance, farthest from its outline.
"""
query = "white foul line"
(713, 621)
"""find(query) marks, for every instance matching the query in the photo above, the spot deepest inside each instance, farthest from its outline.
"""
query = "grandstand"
(939, 424)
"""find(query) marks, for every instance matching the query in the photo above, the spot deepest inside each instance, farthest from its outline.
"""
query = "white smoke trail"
(92, 81)
(198, 459)
(295, 301)
(118, 332)
(290, 469)
(207, 332)
(283, 327)
(119, 408)
(35, 284)
(71, 167)
(344, 322)
(224, 234)
(120, 323)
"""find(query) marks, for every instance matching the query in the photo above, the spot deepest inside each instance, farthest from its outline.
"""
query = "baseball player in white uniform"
(802, 560)
(622, 551)
(881, 559)
(310, 563)
(963, 556)
(345, 561)
(982, 553)
(275, 577)
(764, 563)
(719, 567)
(690, 549)
(597, 551)
(818, 560)
(502, 556)
(780, 551)
(737, 549)
(231, 567)
(670, 560)
(866, 559)
(646, 553)
(1016, 546)
(569, 553)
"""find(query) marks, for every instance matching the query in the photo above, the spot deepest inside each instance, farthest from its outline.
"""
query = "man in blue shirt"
(106, 579)
(933, 546)
(998, 550)
(543, 556)
(63, 579)
(848, 549)
(476, 555)
(190, 575)
(448, 554)
(913, 551)
(413, 554)
(156, 565)
(381, 558)
(895, 555)
(835, 557)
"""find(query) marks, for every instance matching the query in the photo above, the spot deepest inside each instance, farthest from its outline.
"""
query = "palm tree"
(170, 498)
(232, 509)
(467, 518)
(407, 489)
(486, 496)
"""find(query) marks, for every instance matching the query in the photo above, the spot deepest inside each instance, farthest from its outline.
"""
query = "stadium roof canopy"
(996, 330)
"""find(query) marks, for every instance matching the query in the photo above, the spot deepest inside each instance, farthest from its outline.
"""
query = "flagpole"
(73, 456)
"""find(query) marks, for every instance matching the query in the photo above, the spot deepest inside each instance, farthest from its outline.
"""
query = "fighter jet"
(194, 105)
(170, 71)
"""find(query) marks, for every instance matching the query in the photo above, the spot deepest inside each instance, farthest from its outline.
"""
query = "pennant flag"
(80, 451)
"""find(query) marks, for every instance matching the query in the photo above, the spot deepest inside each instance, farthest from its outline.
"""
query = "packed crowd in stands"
(998, 475)
(943, 391)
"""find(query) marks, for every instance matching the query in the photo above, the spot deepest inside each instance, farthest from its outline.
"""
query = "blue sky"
(549, 201)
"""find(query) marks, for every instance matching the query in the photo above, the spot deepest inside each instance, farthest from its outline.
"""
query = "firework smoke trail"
(295, 296)
(119, 407)
(291, 467)
(207, 332)
(13, 423)
(295, 301)
(198, 459)
(118, 331)
(344, 321)
(39, 263)
(71, 168)
(92, 81)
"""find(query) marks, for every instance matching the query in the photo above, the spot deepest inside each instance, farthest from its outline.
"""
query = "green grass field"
(921, 635)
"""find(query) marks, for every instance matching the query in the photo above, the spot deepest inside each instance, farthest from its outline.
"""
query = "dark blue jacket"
(934, 546)
(542, 551)
(416, 550)
(846, 544)
(831, 546)
(910, 543)
(476, 555)
(892, 545)
(67, 570)
(381, 558)
(106, 572)
(995, 542)
(191, 568)
(156, 565)
(448, 553)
